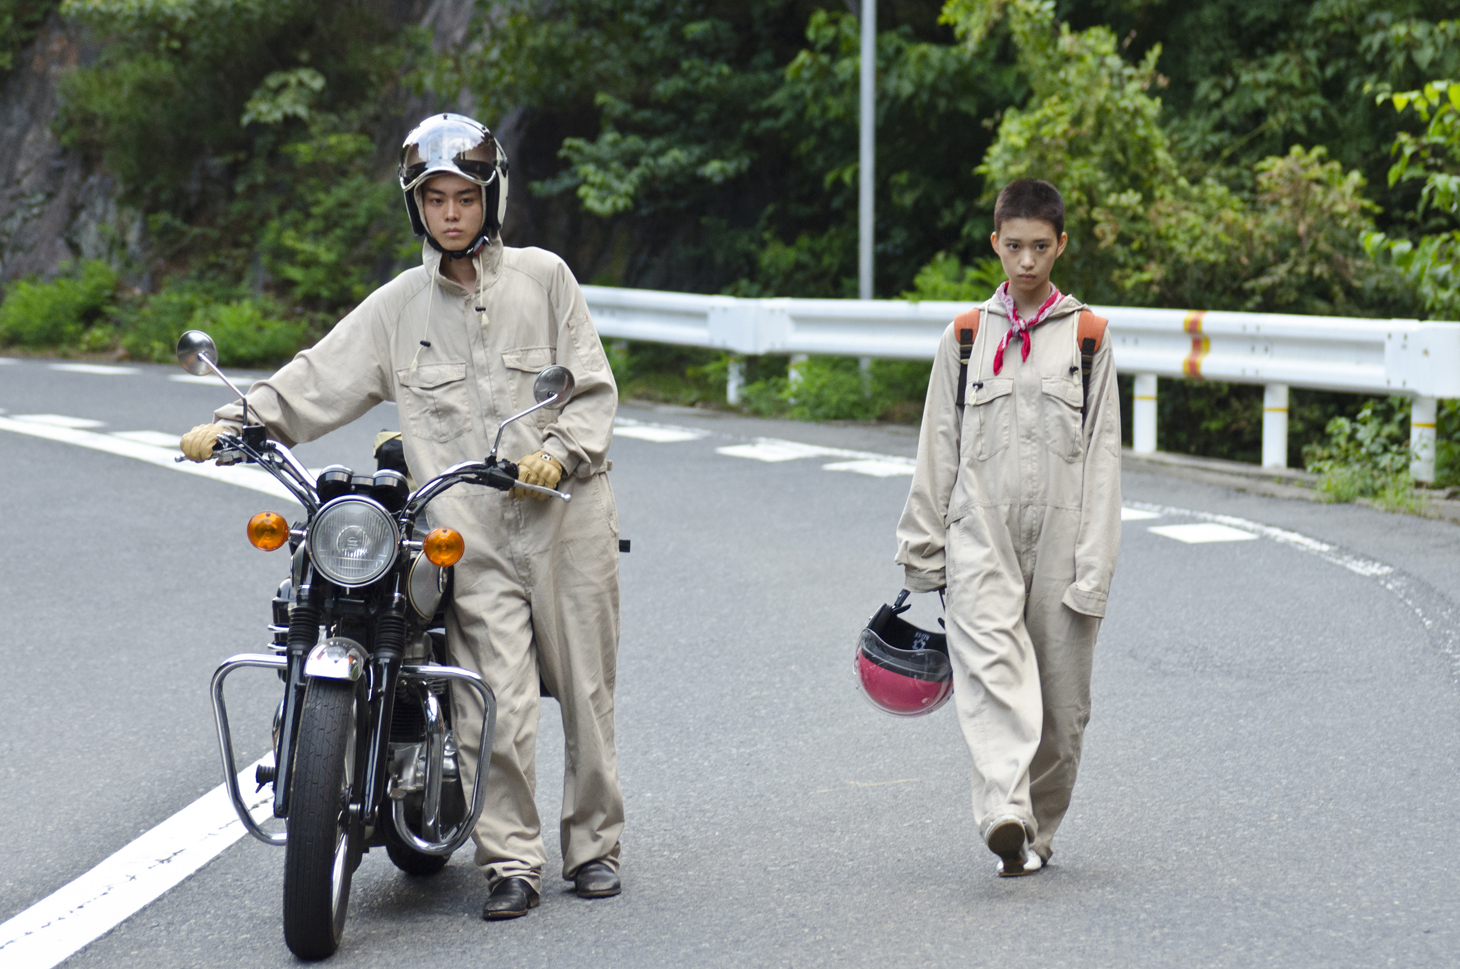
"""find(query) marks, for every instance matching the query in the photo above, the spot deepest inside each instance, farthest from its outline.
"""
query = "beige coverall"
(537, 590)
(1016, 510)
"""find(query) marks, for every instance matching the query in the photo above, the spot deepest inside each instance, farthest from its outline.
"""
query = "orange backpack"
(1091, 335)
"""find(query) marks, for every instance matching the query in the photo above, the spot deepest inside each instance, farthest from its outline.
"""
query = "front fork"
(384, 674)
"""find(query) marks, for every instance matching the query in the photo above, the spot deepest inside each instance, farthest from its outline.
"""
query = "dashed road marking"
(65, 922)
(92, 368)
(1136, 515)
(1202, 532)
(59, 420)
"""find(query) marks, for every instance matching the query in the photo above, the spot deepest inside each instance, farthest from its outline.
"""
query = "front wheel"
(323, 844)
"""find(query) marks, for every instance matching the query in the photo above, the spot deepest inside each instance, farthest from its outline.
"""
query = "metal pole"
(868, 139)
(1275, 426)
(1143, 420)
(1422, 415)
(734, 379)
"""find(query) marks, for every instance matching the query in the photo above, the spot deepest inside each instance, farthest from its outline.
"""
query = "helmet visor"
(448, 145)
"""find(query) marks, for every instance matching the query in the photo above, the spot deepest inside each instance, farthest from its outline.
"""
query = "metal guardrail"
(1420, 360)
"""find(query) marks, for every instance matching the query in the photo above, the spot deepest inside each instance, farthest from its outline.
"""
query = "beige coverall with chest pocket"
(1015, 508)
(536, 594)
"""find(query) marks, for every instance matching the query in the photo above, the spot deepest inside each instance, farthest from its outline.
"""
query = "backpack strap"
(967, 324)
(1091, 335)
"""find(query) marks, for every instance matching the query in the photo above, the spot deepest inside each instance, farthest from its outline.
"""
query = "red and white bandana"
(1020, 326)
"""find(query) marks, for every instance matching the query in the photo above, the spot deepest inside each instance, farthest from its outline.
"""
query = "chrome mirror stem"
(547, 402)
(242, 397)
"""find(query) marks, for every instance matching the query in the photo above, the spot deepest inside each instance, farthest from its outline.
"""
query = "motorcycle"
(365, 736)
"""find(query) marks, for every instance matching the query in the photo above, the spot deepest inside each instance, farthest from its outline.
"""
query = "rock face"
(54, 206)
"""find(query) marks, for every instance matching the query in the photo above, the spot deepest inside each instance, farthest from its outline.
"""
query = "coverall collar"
(488, 263)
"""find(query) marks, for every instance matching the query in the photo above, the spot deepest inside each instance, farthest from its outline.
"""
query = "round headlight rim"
(311, 532)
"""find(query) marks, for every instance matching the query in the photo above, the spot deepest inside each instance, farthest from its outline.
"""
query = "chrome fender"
(337, 658)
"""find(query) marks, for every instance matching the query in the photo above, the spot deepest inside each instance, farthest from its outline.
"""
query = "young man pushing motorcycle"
(457, 343)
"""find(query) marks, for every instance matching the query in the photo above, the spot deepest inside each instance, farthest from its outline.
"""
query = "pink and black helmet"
(901, 669)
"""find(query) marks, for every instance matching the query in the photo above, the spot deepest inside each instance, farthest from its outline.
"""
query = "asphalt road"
(1269, 776)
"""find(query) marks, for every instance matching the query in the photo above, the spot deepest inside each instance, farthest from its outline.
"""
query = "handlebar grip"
(502, 476)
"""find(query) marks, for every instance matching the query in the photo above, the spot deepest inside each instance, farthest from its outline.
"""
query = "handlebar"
(279, 461)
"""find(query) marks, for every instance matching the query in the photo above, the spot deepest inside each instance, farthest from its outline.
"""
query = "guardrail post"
(1143, 417)
(734, 379)
(793, 372)
(1422, 415)
(1275, 426)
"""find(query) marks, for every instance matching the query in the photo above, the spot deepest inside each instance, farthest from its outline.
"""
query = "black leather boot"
(510, 899)
(596, 880)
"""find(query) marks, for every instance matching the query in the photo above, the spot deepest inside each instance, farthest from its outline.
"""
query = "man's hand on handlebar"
(197, 444)
(538, 468)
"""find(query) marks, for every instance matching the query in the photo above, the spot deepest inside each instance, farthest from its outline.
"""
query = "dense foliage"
(1213, 154)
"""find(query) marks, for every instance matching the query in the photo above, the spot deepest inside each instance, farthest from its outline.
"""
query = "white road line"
(188, 378)
(160, 439)
(659, 435)
(59, 420)
(92, 368)
(1202, 532)
(60, 925)
(770, 450)
(5, 360)
(244, 477)
(1136, 515)
(1329, 553)
(877, 469)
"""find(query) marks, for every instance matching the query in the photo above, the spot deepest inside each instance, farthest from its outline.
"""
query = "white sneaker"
(1029, 863)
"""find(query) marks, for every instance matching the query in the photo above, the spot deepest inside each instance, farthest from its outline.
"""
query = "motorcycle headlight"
(353, 541)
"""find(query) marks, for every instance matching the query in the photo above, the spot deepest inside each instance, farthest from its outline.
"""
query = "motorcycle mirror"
(553, 382)
(198, 355)
(192, 347)
(554, 385)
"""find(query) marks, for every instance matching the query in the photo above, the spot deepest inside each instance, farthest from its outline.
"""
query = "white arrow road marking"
(92, 368)
(241, 475)
(1202, 532)
(59, 420)
(78, 914)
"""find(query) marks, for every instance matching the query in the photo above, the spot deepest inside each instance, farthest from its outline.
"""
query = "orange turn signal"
(268, 530)
(444, 546)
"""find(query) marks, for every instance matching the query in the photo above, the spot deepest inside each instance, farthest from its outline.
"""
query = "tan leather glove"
(198, 443)
(538, 468)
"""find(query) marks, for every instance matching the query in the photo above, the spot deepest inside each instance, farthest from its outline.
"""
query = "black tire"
(411, 861)
(323, 848)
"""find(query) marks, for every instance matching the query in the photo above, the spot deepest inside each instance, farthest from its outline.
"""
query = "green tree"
(1431, 261)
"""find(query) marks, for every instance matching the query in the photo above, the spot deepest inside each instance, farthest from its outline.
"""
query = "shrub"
(58, 312)
(249, 332)
(150, 326)
(1368, 456)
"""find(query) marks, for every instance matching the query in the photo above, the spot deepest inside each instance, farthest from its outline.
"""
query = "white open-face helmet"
(458, 145)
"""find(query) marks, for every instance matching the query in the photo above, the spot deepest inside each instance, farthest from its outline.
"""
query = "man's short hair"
(1030, 198)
